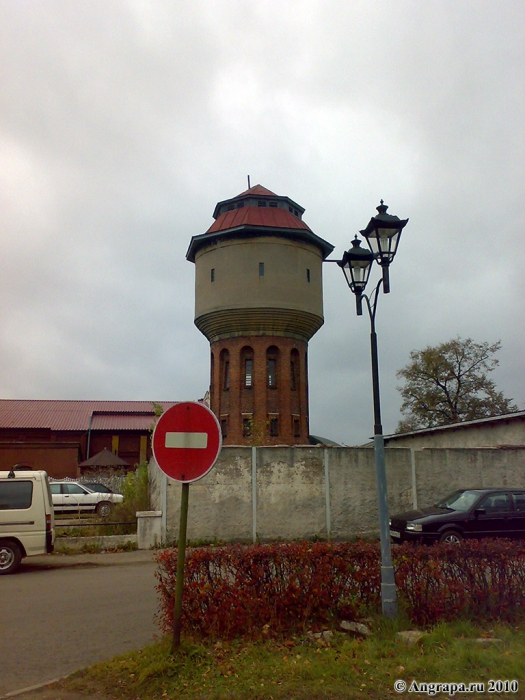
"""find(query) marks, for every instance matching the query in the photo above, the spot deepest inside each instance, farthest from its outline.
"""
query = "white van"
(27, 523)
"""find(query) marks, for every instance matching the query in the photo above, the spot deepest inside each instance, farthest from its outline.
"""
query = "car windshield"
(459, 500)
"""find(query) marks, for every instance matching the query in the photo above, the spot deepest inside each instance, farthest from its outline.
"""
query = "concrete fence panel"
(290, 493)
(270, 493)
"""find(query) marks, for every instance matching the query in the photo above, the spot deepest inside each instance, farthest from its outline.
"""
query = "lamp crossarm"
(371, 302)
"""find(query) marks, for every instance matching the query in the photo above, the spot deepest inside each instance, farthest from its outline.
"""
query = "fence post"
(149, 528)
(414, 482)
(254, 494)
(327, 492)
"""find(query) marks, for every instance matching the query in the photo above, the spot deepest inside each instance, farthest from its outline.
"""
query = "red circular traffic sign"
(187, 441)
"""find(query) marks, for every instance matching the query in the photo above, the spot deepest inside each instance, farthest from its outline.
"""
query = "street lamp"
(382, 235)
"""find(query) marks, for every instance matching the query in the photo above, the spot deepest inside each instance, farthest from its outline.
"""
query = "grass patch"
(94, 548)
(301, 669)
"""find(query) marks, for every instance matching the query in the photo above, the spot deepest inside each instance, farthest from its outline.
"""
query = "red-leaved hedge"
(237, 590)
(482, 579)
(277, 588)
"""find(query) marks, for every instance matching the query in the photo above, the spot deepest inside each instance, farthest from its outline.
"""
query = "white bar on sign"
(195, 441)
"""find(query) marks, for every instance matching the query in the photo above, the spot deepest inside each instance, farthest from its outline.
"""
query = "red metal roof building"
(57, 435)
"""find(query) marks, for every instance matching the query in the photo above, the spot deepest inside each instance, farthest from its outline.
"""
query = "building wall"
(60, 452)
(125, 444)
(58, 460)
(500, 432)
(269, 493)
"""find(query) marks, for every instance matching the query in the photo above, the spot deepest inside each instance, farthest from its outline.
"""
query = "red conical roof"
(258, 191)
(258, 209)
(257, 216)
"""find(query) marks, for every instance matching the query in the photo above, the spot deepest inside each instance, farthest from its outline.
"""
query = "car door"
(495, 518)
(518, 516)
(57, 496)
(75, 497)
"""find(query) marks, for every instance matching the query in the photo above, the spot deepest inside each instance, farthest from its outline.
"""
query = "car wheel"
(10, 557)
(104, 509)
(450, 537)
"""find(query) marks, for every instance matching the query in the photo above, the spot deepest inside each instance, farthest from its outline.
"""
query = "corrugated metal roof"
(75, 415)
(515, 415)
(257, 216)
(116, 421)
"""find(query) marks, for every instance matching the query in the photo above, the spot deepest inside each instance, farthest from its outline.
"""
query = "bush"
(251, 591)
(476, 579)
(135, 489)
(276, 588)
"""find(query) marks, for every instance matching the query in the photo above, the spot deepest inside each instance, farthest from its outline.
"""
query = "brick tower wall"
(259, 390)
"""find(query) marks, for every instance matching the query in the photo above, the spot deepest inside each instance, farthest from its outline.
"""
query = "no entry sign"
(187, 441)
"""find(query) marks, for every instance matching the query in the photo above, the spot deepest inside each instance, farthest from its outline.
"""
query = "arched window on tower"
(294, 370)
(247, 366)
(225, 370)
(272, 358)
(246, 397)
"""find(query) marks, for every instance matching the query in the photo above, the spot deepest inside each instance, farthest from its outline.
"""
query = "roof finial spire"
(249, 182)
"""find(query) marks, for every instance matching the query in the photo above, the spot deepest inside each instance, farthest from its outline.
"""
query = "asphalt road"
(84, 609)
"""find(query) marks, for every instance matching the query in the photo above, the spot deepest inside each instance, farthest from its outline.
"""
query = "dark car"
(498, 512)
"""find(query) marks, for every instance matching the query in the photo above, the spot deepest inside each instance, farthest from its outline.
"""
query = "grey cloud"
(122, 124)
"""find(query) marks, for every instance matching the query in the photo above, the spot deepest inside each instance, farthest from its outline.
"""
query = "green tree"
(449, 384)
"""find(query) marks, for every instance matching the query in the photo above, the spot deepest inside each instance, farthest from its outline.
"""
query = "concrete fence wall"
(269, 493)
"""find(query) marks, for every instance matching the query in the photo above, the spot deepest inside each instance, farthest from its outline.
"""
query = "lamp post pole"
(388, 586)
(382, 235)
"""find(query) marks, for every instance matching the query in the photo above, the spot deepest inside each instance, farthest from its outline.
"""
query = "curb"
(59, 561)
(30, 688)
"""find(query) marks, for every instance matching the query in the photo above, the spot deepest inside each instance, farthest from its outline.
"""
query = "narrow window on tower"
(307, 275)
(224, 427)
(293, 375)
(248, 369)
(246, 427)
(294, 370)
(274, 427)
(272, 376)
(296, 426)
(261, 269)
(212, 274)
(226, 375)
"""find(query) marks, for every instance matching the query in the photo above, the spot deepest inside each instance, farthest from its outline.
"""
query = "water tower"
(259, 300)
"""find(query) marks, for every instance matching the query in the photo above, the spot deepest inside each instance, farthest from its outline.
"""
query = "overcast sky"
(123, 123)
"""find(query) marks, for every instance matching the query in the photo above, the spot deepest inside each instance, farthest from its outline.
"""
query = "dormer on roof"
(258, 196)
